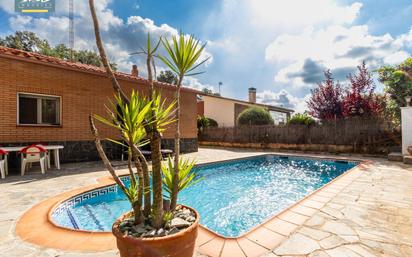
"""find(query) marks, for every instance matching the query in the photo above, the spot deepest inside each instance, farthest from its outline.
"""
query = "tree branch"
(103, 55)
(103, 156)
(137, 155)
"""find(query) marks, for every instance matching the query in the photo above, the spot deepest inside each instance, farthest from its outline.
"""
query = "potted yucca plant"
(150, 229)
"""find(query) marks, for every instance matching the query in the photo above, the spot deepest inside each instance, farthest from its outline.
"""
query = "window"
(36, 109)
(278, 117)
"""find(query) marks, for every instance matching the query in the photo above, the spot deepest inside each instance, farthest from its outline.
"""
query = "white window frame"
(276, 115)
(39, 108)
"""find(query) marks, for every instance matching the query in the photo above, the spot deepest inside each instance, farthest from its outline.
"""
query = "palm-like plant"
(131, 119)
(157, 116)
(137, 118)
(183, 59)
(186, 176)
(154, 133)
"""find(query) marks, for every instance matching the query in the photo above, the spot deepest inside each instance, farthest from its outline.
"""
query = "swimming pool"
(233, 197)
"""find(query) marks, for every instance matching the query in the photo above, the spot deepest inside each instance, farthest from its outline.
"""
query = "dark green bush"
(254, 116)
(204, 122)
(212, 122)
(302, 119)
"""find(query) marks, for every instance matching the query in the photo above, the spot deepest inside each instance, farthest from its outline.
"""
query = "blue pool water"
(232, 198)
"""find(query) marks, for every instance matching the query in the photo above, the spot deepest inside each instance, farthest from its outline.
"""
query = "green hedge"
(204, 122)
(302, 119)
(254, 116)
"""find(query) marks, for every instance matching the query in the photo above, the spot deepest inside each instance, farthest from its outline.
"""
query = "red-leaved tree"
(325, 102)
(360, 99)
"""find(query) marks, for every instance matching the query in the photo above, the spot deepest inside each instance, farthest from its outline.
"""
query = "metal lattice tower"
(71, 29)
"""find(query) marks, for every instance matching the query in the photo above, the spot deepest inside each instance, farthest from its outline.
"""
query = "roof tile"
(11, 52)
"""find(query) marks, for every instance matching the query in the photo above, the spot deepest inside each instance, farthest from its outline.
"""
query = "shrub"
(302, 119)
(204, 122)
(212, 122)
(254, 116)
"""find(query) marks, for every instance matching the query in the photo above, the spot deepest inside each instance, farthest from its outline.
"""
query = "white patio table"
(54, 148)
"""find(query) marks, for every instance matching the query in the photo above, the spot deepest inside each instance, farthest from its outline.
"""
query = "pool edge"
(36, 225)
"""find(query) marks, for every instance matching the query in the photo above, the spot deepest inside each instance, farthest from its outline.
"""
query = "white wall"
(221, 110)
(406, 128)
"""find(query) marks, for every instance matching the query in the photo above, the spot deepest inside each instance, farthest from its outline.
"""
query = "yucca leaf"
(116, 142)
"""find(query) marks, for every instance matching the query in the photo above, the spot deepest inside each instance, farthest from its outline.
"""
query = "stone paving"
(370, 217)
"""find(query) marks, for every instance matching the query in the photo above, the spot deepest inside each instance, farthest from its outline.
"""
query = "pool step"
(72, 219)
(94, 218)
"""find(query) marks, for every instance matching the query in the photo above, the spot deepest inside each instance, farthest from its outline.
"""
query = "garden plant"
(254, 116)
(141, 120)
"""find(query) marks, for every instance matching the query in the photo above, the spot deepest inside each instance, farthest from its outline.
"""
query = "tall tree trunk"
(137, 155)
(155, 144)
(103, 55)
(157, 180)
(175, 189)
(136, 203)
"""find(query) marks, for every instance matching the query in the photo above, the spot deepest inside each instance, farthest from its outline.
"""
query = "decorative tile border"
(78, 199)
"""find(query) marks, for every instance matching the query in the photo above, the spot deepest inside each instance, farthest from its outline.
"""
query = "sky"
(280, 47)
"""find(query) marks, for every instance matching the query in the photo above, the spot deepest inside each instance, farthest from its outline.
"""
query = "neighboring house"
(48, 100)
(226, 110)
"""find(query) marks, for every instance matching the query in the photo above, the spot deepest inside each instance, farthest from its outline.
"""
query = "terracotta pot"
(409, 149)
(181, 244)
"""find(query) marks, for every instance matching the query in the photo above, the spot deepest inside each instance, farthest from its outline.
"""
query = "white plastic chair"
(32, 154)
(47, 157)
(3, 164)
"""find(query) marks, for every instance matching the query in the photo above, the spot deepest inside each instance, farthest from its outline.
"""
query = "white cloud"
(405, 39)
(283, 99)
(7, 5)
(193, 82)
(397, 57)
(120, 37)
(297, 13)
(339, 48)
(277, 45)
(147, 25)
(241, 30)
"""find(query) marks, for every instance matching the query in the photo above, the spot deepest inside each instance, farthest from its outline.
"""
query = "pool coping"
(37, 227)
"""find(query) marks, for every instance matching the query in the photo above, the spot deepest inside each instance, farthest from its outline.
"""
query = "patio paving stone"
(293, 217)
(370, 217)
(231, 249)
(280, 226)
(266, 237)
(297, 244)
(250, 248)
(300, 209)
(312, 204)
(368, 213)
(213, 247)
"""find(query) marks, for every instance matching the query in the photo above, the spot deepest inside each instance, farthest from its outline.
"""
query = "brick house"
(48, 100)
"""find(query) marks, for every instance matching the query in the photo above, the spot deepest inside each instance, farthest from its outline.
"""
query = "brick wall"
(81, 93)
(201, 108)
